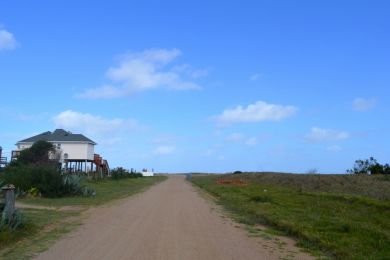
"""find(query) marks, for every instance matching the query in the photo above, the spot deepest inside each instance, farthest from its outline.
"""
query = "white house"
(75, 151)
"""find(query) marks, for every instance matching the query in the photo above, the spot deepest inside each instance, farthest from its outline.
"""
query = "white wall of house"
(23, 146)
(77, 151)
(74, 150)
(91, 151)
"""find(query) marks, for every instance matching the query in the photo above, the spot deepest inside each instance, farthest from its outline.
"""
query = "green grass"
(106, 190)
(42, 227)
(349, 223)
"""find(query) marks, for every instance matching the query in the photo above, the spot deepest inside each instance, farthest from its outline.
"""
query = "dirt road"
(168, 221)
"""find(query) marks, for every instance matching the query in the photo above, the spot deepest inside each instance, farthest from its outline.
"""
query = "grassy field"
(342, 216)
(42, 226)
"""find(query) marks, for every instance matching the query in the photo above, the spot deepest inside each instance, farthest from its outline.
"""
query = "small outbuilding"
(147, 173)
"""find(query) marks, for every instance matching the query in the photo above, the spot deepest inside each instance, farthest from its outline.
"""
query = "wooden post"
(9, 201)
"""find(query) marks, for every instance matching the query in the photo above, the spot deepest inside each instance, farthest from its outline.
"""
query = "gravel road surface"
(171, 220)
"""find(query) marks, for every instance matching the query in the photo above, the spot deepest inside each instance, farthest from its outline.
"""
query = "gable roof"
(59, 135)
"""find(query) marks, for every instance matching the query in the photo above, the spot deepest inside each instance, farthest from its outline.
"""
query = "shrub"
(120, 173)
(47, 179)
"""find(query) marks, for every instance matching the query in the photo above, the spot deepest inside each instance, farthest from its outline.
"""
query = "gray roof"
(59, 135)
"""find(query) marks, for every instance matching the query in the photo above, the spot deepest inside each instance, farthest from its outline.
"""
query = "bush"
(120, 173)
(47, 179)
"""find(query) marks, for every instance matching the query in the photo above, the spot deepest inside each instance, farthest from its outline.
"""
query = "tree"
(37, 154)
(369, 166)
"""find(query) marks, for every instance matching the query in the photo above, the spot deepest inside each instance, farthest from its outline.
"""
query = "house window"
(59, 146)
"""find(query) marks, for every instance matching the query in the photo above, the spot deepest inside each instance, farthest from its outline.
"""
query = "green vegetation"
(105, 189)
(36, 172)
(120, 173)
(37, 154)
(343, 216)
(45, 179)
(370, 166)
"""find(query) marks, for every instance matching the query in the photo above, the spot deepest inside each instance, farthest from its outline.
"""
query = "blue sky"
(210, 86)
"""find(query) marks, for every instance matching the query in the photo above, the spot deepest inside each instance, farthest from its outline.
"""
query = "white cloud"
(251, 141)
(255, 76)
(209, 152)
(164, 150)
(165, 139)
(321, 135)
(257, 112)
(111, 141)
(242, 139)
(85, 123)
(7, 40)
(144, 71)
(221, 157)
(235, 137)
(190, 71)
(103, 92)
(363, 104)
(334, 148)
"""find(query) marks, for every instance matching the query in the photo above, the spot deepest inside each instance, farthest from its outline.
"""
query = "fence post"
(9, 209)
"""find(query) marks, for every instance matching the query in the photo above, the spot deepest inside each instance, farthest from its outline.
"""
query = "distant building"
(147, 173)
